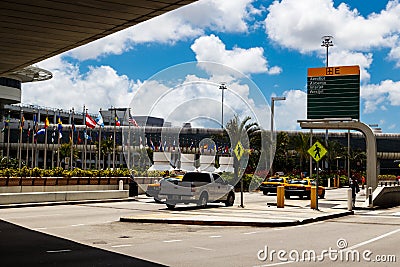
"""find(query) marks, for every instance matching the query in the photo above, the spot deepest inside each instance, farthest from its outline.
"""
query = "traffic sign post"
(317, 151)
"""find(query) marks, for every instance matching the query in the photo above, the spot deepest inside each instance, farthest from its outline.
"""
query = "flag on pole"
(59, 124)
(87, 137)
(41, 131)
(99, 120)
(133, 121)
(117, 122)
(46, 122)
(90, 122)
(22, 121)
(151, 144)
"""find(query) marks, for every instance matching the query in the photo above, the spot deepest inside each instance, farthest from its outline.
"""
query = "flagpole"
(27, 144)
(99, 152)
(85, 133)
(115, 128)
(33, 139)
(45, 140)
(8, 137)
(58, 139)
(21, 125)
(129, 139)
(72, 138)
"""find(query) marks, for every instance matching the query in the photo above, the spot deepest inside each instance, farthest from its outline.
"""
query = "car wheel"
(308, 196)
(265, 192)
(203, 199)
(301, 196)
(170, 206)
(322, 195)
(230, 200)
(157, 200)
(287, 196)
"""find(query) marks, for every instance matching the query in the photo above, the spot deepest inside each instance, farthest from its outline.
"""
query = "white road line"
(208, 249)
(35, 216)
(74, 225)
(58, 251)
(215, 236)
(346, 249)
(172, 241)
(121, 246)
(396, 214)
(250, 233)
(373, 239)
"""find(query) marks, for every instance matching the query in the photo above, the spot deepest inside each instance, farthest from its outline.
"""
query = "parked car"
(197, 187)
(302, 188)
(271, 184)
(153, 189)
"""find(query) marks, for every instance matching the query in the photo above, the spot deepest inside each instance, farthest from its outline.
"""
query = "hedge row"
(60, 172)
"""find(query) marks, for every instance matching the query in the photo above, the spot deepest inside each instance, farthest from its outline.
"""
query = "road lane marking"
(79, 224)
(172, 241)
(58, 251)
(250, 233)
(121, 246)
(215, 236)
(346, 249)
(35, 216)
(373, 239)
(208, 249)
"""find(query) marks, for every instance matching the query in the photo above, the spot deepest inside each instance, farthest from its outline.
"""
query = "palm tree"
(239, 133)
(301, 143)
(281, 152)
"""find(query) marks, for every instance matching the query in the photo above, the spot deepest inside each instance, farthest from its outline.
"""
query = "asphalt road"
(97, 231)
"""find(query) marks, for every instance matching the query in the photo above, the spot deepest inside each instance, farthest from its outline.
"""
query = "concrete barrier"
(35, 197)
(387, 196)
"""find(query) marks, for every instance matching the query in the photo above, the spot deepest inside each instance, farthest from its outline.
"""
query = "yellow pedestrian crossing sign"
(239, 150)
(317, 151)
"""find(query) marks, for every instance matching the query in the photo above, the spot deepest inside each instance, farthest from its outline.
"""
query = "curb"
(237, 223)
(76, 202)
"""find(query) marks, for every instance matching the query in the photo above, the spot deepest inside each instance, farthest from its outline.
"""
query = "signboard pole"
(316, 187)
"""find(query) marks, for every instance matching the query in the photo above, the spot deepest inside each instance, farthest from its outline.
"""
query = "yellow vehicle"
(271, 184)
(302, 188)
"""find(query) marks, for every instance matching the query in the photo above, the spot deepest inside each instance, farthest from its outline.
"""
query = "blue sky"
(271, 42)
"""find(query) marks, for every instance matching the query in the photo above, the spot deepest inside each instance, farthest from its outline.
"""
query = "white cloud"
(287, 112)
(299, 25)
(100, 87)
(194, 97)
(377, 95)
(347, 58)
(182, 24)
(211, 48)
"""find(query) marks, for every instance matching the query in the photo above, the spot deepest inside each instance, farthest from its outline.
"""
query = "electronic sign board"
(333, 92)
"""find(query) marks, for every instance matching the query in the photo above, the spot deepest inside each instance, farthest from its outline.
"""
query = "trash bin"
(133, 189)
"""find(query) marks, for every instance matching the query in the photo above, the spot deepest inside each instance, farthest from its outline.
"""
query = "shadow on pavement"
(20, 246)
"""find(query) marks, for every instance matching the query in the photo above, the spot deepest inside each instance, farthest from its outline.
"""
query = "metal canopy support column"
(348, 124)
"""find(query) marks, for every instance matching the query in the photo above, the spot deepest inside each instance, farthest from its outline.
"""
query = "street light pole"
(222, 87)
(273, 99)
(327, 42)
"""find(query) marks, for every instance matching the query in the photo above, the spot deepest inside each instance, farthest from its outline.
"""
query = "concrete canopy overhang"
(36, 30)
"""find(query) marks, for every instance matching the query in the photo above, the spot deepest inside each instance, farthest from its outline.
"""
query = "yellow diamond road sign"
(317, 151)
(239, 150)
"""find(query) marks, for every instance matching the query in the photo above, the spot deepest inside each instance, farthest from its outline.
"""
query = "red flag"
(90, 122)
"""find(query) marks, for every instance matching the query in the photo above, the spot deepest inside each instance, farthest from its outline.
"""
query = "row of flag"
(92, 123)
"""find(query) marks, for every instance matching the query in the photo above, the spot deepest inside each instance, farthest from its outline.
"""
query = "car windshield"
(303, 182)
(275, 180)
